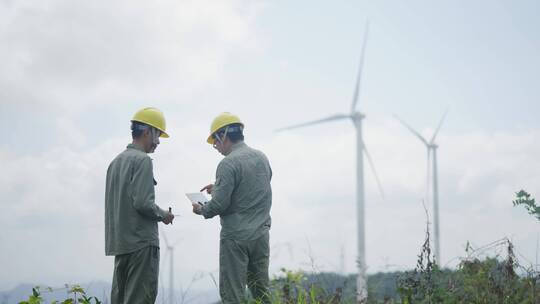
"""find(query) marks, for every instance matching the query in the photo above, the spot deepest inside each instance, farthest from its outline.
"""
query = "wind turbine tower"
(356, 117)
(170, 252)
(431, 163)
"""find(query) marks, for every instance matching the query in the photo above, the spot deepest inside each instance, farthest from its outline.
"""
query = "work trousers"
(244, 263)
(135, 278)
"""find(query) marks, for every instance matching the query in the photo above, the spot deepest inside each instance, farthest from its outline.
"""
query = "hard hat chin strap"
(221, 139)
(155, 135)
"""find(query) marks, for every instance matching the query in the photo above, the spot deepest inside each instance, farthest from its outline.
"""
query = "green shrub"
(78, 296)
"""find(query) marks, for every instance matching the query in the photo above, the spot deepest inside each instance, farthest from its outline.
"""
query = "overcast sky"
(74, 72)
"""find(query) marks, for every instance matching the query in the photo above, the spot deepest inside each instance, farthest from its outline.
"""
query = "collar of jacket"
(238, 145)
(136, 147)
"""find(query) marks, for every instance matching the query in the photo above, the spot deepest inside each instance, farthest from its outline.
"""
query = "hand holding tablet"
(197, 198)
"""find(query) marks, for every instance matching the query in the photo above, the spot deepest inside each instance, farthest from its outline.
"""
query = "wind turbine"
(356, 117)
(170, 252)
(431, 150)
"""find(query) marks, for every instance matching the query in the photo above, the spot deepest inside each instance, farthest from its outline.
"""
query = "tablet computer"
(197, 197)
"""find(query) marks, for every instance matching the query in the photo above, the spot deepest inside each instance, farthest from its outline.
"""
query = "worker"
(242, 197)
(131, 214)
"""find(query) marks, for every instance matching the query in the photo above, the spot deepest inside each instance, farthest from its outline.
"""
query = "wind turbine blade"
(372, 166)
(360, 67)
(412, 130)
(327, 119)
(438, 127)
(165, 238)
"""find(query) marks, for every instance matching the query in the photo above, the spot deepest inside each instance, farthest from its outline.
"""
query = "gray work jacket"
(131, 216)
(242, 195)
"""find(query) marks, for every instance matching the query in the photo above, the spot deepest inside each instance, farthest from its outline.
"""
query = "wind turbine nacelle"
(357, 116)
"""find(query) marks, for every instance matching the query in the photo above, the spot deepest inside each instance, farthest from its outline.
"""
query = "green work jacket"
(242, 195)
(131, 216)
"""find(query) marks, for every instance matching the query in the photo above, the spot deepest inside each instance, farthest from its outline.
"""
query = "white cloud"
(68, 55)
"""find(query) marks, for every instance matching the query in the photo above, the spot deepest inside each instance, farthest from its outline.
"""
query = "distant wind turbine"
(170, 252)
(431, 150)
(356, 117)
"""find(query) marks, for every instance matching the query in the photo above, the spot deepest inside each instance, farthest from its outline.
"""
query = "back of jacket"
(131, 216)
(242, 194)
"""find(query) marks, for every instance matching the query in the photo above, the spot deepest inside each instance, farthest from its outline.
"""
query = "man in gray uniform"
(242, 197)
(131, 216)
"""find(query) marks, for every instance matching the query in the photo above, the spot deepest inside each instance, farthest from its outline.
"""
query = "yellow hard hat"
(152, 117)
(222, 120)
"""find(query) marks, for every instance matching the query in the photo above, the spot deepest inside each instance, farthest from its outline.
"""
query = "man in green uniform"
(131, 215)
(242, 197)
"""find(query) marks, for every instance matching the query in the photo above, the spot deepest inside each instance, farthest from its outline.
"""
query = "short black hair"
(235, 132)
(137, 129)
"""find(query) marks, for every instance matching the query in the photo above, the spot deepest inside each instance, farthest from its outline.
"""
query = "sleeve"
(142, 185)
(269, 167)
(222, 191)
